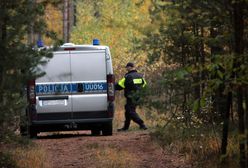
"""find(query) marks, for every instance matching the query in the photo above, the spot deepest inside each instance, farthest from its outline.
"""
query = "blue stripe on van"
(70, 88)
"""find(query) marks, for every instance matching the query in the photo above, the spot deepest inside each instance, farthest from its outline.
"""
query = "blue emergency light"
(40, 43)
(96, 42)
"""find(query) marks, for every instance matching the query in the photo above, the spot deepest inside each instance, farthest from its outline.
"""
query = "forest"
(193, 54)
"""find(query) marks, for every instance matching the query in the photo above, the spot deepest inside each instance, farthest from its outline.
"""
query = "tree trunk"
(246, 121)
(3, 41)
(66, 21)
(226, 109)
(71, 15)
(31, 33)
(203, 73)
(238, 26)
(241, 128)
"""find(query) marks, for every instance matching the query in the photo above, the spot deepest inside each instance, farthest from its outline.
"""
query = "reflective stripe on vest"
(122, 83)
(144, 83)
(137, 81)
(140, 81)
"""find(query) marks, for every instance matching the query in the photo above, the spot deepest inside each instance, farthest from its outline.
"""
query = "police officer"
(131, 83)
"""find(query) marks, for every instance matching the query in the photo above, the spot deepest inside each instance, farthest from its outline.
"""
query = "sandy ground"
(125, 149)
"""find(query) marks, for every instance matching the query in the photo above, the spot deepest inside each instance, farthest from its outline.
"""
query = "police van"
(76, 92)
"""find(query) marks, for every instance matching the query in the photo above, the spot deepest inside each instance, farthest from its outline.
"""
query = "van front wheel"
(107, 129)
(95, 132)
(32, 132)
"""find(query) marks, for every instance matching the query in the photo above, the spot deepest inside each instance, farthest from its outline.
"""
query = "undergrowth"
(6, 160)
(21, 152)
(200, 146)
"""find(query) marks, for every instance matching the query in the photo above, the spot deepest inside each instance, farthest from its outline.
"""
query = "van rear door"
(54, 89)
(88, 70)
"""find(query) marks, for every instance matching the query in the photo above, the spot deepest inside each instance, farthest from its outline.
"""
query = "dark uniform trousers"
(130, 114)
(132, 82)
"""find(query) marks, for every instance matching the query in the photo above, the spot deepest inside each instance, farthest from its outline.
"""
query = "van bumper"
(60, 121)
(70, 125)
(69, 121)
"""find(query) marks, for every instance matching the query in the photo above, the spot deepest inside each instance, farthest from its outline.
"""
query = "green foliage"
(197, 42)
(117, 24)
(12, 139)
(199, 145)
(7, 161)
(178, 132)
(194, 39)
(18, 60)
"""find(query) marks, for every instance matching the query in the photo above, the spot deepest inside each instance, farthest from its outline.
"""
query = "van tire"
(107, 129)
(32, 132)
(95, 132)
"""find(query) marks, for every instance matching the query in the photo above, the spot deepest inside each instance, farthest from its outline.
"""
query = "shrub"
(6, 160)
(200, 146)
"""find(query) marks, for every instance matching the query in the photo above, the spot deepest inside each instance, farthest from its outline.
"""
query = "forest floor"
(132, 149)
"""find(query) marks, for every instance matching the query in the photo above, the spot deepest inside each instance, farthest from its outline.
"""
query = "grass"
(200, 146)
(21, 152)
(109, 157)
(31, 157)
(92, 146)
(151, 119)
(6, 160)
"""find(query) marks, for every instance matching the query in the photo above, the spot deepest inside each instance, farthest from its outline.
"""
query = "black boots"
(122, 129)
(143, 127)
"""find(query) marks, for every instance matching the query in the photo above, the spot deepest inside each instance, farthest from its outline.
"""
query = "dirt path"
(132, 149)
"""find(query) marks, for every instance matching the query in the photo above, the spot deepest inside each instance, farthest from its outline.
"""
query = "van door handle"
(80, 87)
(54, 98)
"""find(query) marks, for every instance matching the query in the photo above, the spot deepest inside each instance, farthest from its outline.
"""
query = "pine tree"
(206, 42)
(18, 58)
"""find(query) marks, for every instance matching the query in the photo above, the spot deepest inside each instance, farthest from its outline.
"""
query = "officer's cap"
(130, 64)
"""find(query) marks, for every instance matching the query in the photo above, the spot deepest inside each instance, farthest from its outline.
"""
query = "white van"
(76, 93)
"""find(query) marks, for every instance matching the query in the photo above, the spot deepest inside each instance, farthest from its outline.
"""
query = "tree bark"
(246, 121)
(31, 34)
(66, 21)
(202, 51)
(71, 15)
(241, 128)
(227, 107)
(238, 26)
(3, 41)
